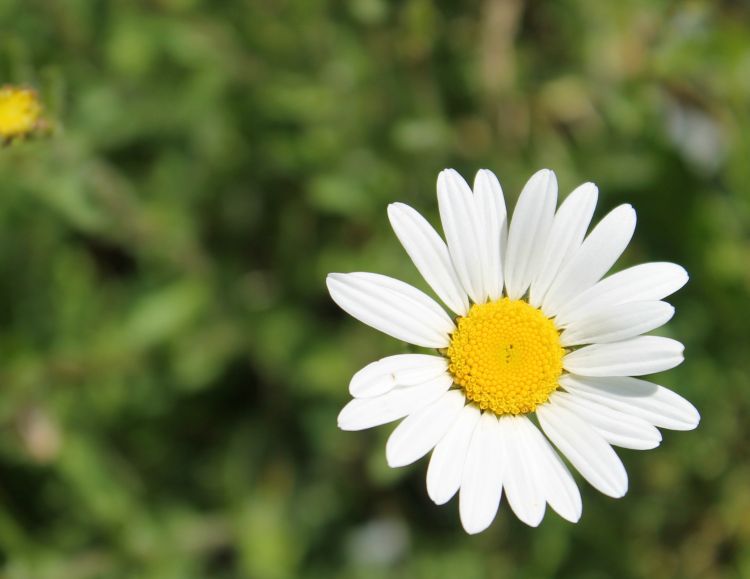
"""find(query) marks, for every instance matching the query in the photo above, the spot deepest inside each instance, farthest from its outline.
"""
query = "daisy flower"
(539, 353)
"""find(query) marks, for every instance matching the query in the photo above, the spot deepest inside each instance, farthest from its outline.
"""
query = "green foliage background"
(171, 366)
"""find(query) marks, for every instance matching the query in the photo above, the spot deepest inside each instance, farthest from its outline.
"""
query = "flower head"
(20, 112)
(539, 338)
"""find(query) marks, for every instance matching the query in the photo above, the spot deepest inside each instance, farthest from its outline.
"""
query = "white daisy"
(538, 337)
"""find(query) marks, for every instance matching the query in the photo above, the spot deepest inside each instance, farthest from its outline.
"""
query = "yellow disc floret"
(506, 355)
(20, 111)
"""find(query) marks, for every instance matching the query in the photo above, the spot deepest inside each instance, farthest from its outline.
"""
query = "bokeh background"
(171, 366)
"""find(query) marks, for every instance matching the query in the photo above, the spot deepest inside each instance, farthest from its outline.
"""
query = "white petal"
(634, 357)
(553, 477)
(490, 202)
(447, 461)
(481, 482)
(529, 229)
(655, 404)
(391, 306)
(585, 448)
(462, 227)
(418, 433)
(363, 413)
(520, 478)
(383, 375)
(596, 256)
(616, 427)
(617, 323)
(640, 283)
(568, 230)
(429, 254)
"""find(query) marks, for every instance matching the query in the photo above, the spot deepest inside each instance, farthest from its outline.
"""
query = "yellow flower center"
(19, 111)
(506, 355)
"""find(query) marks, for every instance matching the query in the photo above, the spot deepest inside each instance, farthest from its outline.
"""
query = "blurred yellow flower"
(20, 111)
